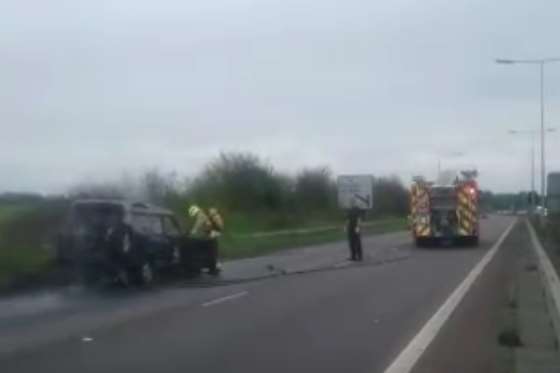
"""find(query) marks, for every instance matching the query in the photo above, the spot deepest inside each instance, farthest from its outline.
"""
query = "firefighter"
(353, 230)
(217, 227)
(201, 238)
(201, 227)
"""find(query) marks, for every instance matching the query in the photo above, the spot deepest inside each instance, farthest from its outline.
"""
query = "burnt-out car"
(126, 242)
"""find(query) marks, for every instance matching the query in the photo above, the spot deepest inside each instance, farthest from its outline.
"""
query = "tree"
(157, 187)
(390, 197)
(97, 190)
(241, 181)
(315, 189)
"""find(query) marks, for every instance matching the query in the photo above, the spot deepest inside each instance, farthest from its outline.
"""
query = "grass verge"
(24, 260)
(23, 264)
(244, 246)
(26, 231)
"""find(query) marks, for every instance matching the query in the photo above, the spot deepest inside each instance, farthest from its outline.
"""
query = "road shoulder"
(502, 325)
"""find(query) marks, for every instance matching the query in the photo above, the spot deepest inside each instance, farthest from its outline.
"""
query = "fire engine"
(445, 210)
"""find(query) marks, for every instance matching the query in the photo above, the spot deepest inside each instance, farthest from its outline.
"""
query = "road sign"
(553, 183)
(553, 193)
(355, 191)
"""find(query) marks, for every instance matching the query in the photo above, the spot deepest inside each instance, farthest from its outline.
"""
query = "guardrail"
(550, 280)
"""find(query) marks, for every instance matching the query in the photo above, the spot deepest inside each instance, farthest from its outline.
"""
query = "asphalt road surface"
(298, 311)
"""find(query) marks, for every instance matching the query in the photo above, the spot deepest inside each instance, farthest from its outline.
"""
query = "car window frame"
(174, 223)
(151, 218)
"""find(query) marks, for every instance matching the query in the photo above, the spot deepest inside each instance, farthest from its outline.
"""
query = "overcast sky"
(91, 90)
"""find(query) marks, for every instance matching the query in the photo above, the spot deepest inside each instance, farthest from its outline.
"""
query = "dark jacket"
(354, 221)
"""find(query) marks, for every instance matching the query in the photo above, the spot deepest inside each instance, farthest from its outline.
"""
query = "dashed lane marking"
(225, 299)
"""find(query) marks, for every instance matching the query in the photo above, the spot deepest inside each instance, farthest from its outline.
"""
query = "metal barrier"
(550, 280)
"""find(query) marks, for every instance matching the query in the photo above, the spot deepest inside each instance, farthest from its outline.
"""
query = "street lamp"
(533, 134)
(541, 62)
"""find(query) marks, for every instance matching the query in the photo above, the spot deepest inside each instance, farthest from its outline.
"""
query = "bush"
(390, 197)
(241, 182)
(34, 225)
(251, 194)
(97, 190)
(315, 190)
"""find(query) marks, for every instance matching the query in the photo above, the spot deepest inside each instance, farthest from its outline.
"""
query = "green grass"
(246, 223)
(24, 230)
(243, 246)
(14, 262)
(8, 212)
(22, 262)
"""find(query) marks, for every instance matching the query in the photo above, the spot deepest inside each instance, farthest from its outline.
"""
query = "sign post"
(355, 191)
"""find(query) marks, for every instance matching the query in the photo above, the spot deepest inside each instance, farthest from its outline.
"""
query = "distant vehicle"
(541, 211)
(124, 242)
(446, 210)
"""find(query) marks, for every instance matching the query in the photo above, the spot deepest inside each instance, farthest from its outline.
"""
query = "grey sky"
(90, 90)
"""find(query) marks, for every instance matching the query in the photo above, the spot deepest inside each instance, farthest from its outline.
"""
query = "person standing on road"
(353, 229)
(216, 229)
(201, 237)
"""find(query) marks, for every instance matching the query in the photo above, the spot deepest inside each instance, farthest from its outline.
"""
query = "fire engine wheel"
(468, 241)
(474, 241)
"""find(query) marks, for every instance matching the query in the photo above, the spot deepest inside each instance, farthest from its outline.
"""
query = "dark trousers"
(213, 255)
(355, 242)
(199, 253)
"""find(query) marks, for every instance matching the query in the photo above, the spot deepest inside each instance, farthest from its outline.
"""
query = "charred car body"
(126, 242)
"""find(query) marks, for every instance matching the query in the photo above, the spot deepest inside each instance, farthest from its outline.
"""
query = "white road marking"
(87, 339)
(420, 343)
(225, 299)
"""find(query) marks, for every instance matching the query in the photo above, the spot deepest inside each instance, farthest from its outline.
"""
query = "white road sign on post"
(355, 191)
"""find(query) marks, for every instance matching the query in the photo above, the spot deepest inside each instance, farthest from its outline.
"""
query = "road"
(298, 311)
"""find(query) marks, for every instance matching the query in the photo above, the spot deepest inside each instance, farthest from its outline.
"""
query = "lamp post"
(541, 62)
(533, 134)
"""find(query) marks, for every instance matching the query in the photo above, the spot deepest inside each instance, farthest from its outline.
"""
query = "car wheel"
(146, 274)
(126, 242)
(123, 278)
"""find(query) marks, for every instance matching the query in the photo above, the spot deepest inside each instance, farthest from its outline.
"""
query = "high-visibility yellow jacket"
(202, 226)
(217, 223)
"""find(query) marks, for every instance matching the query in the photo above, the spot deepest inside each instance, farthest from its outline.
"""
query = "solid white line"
(225, 299)
(410, 355)
(549, 275)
